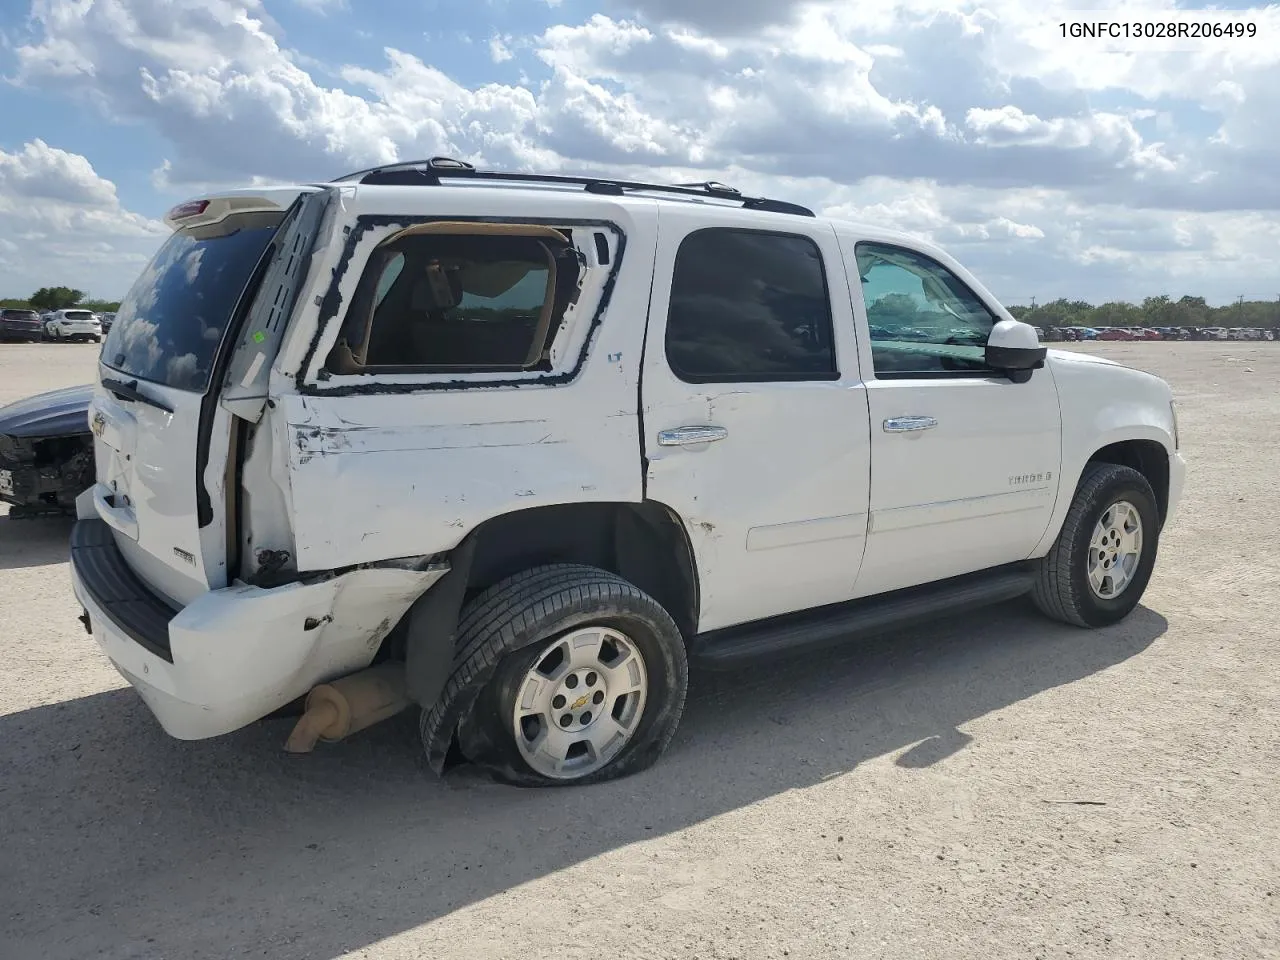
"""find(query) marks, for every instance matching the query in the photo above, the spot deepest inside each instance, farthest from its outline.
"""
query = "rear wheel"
(1099, 567)
(565, 674)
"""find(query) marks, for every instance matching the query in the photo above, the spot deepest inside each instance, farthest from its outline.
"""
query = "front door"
(754, 412)
(964, 461)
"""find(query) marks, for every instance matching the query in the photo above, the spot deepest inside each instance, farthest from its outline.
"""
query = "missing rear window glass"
(442, 297)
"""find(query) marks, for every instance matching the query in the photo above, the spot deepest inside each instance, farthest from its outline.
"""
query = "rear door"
(755, 416)
(161, 439)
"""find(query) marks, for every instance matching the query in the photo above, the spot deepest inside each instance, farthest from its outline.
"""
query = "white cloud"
(969, 119)
(65, 225)
(322, 6)
(499, 52)
(41, 172)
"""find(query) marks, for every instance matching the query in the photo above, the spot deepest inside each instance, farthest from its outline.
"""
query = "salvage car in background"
(46, 452)
(19, 324)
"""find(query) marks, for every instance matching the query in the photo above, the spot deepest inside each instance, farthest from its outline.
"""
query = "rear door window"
(171, 323)
(747, 305)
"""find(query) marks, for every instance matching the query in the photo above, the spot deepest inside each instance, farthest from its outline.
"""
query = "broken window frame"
(599, 243)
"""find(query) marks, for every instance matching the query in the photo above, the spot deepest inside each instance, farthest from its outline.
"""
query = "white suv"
(74, 324)
(517, 449)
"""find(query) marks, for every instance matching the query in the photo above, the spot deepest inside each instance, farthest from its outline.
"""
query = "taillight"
(192, 208)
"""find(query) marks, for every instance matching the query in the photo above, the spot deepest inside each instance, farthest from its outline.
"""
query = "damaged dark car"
(46, 452)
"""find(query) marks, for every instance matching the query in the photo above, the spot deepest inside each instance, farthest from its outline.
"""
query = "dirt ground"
(993, 787)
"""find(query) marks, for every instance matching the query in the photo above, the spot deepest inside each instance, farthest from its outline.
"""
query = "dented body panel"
(240, 652)
(375, 477)
(391, 464)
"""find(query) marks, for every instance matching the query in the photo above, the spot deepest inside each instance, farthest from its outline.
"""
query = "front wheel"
(565, 674)
(1099, 566)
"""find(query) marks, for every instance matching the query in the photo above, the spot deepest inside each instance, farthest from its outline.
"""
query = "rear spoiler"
(205, 211)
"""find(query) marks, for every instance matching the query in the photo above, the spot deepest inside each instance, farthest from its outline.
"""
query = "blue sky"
(1052, 167)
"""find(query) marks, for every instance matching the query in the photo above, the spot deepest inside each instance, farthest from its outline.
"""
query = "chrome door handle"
(680, 436)
(909, 424)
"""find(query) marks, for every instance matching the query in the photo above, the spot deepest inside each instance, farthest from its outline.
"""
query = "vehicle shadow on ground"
(224, 847)
(34, 542)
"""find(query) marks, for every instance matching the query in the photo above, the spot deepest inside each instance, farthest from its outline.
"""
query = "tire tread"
(506, 617)
(1054, 592)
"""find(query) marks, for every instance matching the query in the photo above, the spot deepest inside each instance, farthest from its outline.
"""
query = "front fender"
(1102, 405)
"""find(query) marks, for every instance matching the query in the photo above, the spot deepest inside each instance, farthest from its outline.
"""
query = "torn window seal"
(461, 298)
(331, 303)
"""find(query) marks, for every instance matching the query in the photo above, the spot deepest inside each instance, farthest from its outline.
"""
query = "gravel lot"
(917, 796)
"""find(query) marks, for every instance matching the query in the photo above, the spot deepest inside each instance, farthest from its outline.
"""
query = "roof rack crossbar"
(431, 172)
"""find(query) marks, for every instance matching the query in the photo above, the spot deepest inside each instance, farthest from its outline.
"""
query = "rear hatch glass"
(171, 322)
(149, 409)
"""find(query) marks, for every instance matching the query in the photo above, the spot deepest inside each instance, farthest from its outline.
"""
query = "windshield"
(170, 324)
(77, 314)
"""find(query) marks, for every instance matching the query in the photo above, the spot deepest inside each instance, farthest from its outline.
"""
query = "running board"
(840, 623)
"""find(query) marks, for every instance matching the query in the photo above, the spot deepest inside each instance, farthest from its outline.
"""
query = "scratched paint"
(373, 474)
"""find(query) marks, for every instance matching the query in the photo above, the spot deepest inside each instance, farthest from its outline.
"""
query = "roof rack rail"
(429, 173)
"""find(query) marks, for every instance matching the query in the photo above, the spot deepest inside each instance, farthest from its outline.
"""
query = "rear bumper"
(233, 655)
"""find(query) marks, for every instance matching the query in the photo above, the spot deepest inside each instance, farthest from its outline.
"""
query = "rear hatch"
(161, 440)
(19, 321)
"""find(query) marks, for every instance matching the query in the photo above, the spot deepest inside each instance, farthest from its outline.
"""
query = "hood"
(1070, 356)
(58, 413)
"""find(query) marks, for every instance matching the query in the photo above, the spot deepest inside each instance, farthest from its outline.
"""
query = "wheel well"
(644, 543)
(1149, 458)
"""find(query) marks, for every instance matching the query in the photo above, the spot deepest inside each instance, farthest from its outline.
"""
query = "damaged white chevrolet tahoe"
(517, 449)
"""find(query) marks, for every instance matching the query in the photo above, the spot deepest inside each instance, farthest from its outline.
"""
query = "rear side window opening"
(172, 321)
(442, 297)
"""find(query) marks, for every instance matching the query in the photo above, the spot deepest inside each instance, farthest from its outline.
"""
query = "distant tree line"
(60, 298)
(1160, 311)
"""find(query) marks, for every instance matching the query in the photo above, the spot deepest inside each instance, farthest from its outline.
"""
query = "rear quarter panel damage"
(372, 477)
(275, 645)
(386, 466)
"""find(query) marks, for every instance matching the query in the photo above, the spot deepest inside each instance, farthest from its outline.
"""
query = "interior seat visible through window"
(459, 297)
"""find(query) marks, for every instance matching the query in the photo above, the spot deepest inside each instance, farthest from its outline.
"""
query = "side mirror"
(1014, 349)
